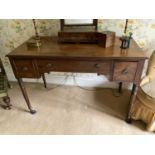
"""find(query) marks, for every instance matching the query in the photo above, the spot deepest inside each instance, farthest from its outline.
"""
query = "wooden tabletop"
(51, 48)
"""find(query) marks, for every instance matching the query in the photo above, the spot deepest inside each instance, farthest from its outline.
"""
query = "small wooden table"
(119, 65)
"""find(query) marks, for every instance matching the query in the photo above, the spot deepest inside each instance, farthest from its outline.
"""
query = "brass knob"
(125, 71)
(25, 69)
(49, 65)
(97, 65)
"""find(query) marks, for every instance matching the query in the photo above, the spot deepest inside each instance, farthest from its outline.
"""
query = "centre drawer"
(74, 66)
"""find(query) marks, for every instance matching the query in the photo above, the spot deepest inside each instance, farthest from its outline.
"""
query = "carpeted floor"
(67, 110)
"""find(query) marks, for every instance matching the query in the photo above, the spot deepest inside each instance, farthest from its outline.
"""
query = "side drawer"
(25, 68)
(124, 71)
(74, 66)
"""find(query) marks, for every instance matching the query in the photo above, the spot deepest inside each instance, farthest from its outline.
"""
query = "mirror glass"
(78, 21)
(78, 24)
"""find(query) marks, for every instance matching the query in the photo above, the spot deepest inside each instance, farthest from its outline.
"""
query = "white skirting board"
(74, 79)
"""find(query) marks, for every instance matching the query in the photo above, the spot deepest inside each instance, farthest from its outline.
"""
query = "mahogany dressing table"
(117, 64)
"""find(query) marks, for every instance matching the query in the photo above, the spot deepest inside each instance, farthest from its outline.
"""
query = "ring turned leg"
(132, 99)
(6, 100)
(20, 81)
(44, 80)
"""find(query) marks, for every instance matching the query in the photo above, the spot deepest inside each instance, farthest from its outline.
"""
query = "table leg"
(20, 81)
(8, 83)
(44, 80)
(131, 102)
(120, 87)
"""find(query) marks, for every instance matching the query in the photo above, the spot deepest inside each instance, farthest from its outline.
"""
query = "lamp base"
(34, 42)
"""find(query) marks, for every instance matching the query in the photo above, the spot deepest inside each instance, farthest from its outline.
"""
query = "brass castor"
(33, 111)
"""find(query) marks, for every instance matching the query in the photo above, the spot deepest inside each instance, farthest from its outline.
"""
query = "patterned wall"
(14, 32)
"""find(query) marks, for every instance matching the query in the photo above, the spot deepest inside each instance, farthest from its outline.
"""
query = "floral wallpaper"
(144, 33)
(13, 32)
(116, 25)
(48, 27)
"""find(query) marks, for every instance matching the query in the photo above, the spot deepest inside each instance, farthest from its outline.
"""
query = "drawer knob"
(125, 71)
(97, 65)
(25, 69)
(49, 65)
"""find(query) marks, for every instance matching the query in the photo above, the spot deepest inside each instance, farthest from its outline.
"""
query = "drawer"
(74, 66)
(124, 71)
(25, 68)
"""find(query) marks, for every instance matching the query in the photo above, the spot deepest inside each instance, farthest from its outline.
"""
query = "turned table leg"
(21, 84)
(131, 102)
(44, 80)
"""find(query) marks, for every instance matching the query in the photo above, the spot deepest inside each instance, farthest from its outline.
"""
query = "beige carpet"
(67, 110)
